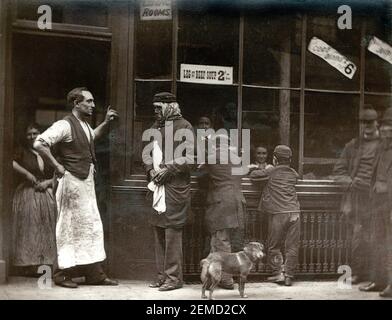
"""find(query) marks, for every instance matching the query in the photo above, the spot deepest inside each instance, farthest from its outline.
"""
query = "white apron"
(79, 231)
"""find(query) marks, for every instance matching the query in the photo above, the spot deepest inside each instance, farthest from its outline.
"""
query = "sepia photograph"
(170, 150)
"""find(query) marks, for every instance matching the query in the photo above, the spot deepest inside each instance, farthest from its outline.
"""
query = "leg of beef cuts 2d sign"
(333, 57)
(206, 74)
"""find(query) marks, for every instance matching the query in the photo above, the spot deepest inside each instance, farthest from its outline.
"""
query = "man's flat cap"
(368, 113)
(282, 151)
(387, 117)
(165, 97)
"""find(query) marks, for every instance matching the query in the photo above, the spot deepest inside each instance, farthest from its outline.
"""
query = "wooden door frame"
(6, 136)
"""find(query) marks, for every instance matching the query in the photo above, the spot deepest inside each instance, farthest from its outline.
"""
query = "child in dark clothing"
(279, 201)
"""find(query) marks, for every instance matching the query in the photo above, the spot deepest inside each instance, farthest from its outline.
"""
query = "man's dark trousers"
(168, 254)
(381, 240)
(360, 226)
(283, 227)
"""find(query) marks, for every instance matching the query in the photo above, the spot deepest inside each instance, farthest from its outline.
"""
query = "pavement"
(22, 288)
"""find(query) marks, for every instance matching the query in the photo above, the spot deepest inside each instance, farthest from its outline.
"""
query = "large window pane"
(378, 72)
(321, 75)
(331, 120)
(153, 48)
(208, 38)
(144, 117)
(273, 118)
(219, 103)
(272, 46)
(90, 13)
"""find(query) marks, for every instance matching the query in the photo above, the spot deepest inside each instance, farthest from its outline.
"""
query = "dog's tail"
(204, 264)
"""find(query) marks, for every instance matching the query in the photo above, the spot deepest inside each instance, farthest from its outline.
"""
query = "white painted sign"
(333, 57)
(380, 48)
(155, 10)
(196, 73)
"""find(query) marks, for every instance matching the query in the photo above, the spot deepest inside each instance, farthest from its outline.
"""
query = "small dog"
(239, 263)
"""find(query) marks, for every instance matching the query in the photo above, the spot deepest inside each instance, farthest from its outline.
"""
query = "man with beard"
(169, 177)
(381, 199)
(353, 170)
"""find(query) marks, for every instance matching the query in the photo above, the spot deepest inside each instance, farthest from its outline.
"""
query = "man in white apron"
(79, 231)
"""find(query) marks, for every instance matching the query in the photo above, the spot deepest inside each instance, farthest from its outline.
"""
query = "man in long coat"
(173, 173)
(381, 224)
(353, 170)
(225, 208)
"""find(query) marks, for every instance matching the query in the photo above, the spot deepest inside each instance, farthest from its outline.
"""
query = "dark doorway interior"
(46, 68)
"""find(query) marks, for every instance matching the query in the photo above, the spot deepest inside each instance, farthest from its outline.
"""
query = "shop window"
(378, 72)
(219, 103)
(331, 120)
(272, 50)
(153, 58)
(320, 74)
(273, 118)
(91, 13)
(208, 38)
(144, 117)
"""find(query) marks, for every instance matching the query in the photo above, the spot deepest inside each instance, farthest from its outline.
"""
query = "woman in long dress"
(34, 209)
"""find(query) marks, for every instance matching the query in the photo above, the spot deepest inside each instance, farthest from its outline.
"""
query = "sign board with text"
(155, 10)
(380, 48)
(333, 57)
(195, 73)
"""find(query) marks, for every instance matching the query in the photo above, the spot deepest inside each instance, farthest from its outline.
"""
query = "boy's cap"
(282, 151)
(368, 113)
(165, 97)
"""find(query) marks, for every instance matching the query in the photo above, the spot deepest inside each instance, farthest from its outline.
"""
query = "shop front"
(256, 67)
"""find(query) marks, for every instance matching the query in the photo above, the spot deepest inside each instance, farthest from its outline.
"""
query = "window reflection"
(208, 38)
(216, 102)
(272, 50)
(153, 57)
(331, 120)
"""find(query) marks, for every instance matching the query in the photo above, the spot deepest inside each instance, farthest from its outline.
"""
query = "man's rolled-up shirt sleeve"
(60, 131)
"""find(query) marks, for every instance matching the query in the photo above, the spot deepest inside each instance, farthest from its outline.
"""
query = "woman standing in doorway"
(34, 208)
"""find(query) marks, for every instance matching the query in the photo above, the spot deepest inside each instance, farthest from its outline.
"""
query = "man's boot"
(387, 292)
(63, 279)
(279, 278)
(371, 287)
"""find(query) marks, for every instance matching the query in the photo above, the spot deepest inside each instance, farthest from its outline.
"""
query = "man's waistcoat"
(76, 156)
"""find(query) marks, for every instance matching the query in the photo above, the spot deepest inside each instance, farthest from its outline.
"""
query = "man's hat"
(368, 113)
(387, 117)
(282, 151)
(165, 97)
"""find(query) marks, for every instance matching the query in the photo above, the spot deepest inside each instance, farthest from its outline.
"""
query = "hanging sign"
(380, 48)
(333, 57)
(196, 73)
(155, 10)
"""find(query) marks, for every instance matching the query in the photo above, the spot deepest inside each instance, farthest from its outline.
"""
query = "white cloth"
(159, 200)
(79, 231)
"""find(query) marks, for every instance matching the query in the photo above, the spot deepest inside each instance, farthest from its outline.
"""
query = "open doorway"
(45, 69)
